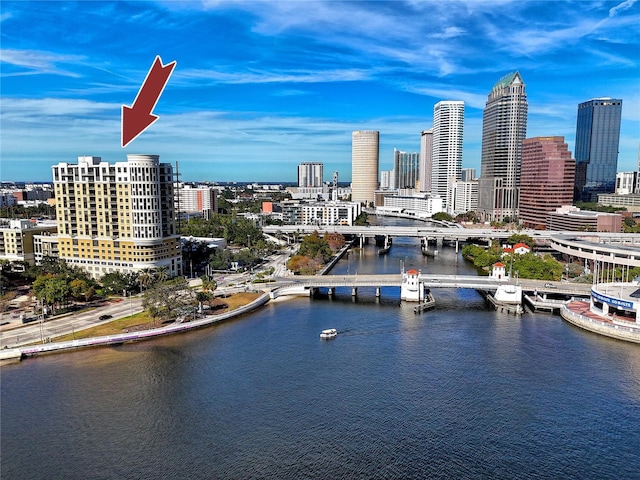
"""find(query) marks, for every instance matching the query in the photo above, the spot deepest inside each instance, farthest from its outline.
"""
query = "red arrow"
(137, 118)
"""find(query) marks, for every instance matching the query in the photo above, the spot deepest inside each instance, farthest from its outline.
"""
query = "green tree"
(361, 220)
(520, 238)
(208, 283)
(314, 245)
(118, 282)
(51, 289)
(165, 301)
(442, 216)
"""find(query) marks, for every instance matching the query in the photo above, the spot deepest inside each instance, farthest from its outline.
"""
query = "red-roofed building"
(498, 272)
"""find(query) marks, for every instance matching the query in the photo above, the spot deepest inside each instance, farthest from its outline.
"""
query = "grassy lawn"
(142, 321)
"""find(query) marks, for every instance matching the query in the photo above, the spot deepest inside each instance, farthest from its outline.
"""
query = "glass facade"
(596, 148)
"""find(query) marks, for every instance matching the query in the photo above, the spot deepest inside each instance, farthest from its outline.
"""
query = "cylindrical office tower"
(365, 159)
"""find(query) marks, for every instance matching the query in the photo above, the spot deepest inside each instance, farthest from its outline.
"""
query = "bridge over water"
(307, 284)
(605, 247)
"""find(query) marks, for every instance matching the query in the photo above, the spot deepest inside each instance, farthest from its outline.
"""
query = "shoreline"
(20, 353)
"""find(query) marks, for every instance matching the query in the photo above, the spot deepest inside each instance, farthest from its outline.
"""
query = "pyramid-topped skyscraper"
(504, 127)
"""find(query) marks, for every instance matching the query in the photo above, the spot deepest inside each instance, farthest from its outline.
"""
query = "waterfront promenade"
(20, 352)
(578, 313)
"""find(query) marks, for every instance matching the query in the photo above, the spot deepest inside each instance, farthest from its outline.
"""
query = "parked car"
(105, 317)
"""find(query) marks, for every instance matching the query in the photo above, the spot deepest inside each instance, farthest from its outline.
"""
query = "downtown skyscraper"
(504, 127)
(405, 169)
(365, 161)
(546, 179)
(424, 167)
(596, 148)
(446, 157)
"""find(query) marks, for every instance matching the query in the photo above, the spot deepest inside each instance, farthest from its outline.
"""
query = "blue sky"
(262, 86)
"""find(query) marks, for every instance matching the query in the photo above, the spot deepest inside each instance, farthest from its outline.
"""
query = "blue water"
(457, 392)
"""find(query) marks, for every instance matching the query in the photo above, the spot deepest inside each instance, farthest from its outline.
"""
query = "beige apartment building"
(17, 240)
(117, 217)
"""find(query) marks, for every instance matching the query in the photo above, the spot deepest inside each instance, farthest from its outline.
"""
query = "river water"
(457, 392)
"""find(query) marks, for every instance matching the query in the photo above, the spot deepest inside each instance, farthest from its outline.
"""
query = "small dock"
(540, 304)
(428, 304)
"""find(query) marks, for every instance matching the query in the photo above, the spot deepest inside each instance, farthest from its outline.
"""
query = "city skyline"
(260, 87)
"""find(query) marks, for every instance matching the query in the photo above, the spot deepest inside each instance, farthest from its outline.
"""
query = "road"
(39, 331)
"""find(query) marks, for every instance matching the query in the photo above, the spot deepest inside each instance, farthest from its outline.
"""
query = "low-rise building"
(574, 219)
(17, 240)
(330, 213)
(629, 201)
(422, 206)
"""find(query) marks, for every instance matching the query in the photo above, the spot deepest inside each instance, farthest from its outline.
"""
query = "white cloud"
(17, 108)
(450, 32)
(626, 5)
(264, 76)
(37, 61)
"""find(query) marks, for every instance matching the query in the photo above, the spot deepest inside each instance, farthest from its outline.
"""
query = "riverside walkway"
(116, 339)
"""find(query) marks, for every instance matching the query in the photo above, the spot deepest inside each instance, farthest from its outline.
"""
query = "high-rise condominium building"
(424, 169)
(117, 218)
(504, 127)
(405, 168)
(446, 159)
(198, 200)
(468, 174)
(310, 174)
(365, 160)
(546, 179)
(596, 149)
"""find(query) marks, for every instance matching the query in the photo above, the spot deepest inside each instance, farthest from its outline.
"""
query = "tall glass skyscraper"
(596, 147)
(448, 123)
(504, 127)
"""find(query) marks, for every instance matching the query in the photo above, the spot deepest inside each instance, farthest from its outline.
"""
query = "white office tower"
(310, 174)
(424, 169)
(446, 163)
(464, 197)
(365, 159)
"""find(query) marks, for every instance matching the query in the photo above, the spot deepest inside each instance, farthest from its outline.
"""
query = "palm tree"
(161, 274)
(208, 283)
(145, 279)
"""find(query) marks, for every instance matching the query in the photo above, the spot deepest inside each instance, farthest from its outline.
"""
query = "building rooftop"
(508, 80)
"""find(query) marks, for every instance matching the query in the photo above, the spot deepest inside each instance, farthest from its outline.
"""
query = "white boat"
(330, 333)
